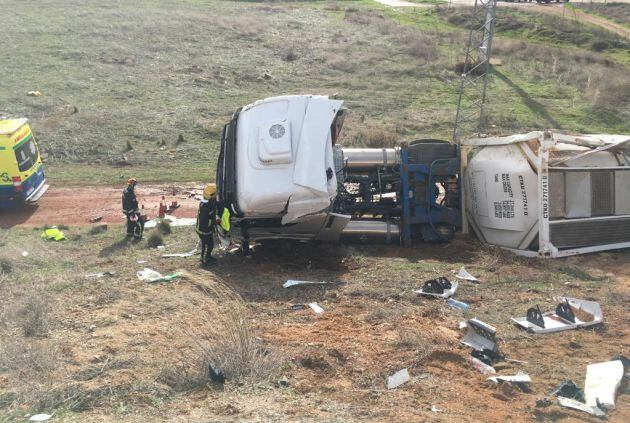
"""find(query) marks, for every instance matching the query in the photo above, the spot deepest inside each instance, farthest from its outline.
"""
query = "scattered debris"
(298, 307)
(440, 287)
(545, 402)
(397, 379)
(571, 313)
(316, 308)
(568, 389)
(216, 375)
(188, 254)
(463, 325)
(458, 304)
(34, 93)
(175, 221)
(151, 276)
(96, 219)
(520, 377)
(53, 234)
(481, 337)
(481, 366)
(463, 274)
(602, 382)
(142, 261)
(436, 410)
(100, 274)
(292, 282)
(283, 382)
(40, 417)
(576, 405)
(24, 253)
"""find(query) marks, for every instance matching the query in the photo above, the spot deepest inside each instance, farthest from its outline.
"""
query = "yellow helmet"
(209, 191)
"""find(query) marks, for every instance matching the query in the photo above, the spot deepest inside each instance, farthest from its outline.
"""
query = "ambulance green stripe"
(16, 146)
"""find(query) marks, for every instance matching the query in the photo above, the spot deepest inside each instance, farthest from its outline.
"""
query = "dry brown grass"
(375, 137)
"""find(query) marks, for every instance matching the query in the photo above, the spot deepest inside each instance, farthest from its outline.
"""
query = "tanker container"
(549, 194)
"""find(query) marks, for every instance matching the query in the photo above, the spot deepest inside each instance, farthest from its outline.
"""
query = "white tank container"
(549, 194)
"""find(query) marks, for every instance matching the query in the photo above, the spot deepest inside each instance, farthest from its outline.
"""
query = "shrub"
(164, 226)
(33, 317)
(155, 239)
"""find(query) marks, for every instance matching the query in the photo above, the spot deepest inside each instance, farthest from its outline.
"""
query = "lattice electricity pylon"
(470, 116)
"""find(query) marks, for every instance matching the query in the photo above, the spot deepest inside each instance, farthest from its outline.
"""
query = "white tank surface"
(549, 194)
(284, 156)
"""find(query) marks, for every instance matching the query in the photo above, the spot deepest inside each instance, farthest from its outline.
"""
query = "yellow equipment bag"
(54, 234)
(225, 220)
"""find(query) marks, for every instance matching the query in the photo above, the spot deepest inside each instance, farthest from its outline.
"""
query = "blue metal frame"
(425, 211)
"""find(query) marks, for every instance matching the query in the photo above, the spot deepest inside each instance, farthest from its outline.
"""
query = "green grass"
(143, 73)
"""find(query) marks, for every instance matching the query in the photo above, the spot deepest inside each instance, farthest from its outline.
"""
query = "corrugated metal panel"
(574, 234)
(556, 194)
(578, 194)
(622, 192)
(602, 193)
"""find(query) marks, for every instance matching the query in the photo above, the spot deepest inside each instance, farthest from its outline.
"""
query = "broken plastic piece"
(151, 276)
(568, 389)
(439, 287)
(183, 255)
(96, 219)
(316, 308)
(292, 282)
(601, 384)
(436, 410)
(397, 379)
(484, 368)
(458, 304)
(481, 336)
(463, 274)
(576, 405)
(520, 377)
(40, 417)
(567, 316)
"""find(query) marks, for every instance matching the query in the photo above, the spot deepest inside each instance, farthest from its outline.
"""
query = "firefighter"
(130, 209)
(206, 219)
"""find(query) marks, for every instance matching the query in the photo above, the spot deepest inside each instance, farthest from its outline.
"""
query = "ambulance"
(21, 172)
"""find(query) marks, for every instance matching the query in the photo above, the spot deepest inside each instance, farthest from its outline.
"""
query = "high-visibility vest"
(54, 234)
(225, 220)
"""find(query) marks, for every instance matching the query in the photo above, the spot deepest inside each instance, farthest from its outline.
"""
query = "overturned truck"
(283, 175)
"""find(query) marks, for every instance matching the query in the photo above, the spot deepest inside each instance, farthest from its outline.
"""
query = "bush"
(155, 239)
(164, 226)
(6, 265)
(33, 317)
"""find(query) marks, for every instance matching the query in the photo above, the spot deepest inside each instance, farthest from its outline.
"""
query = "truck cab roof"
(9, 126)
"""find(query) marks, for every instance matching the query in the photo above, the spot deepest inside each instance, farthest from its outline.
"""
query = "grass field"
(121, 82)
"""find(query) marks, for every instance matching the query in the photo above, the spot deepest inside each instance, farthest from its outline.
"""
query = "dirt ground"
(77, 205)
(123, 345)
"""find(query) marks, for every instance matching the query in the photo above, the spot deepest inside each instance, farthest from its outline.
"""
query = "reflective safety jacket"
(129, 200)
(53, 234)
(206, 216)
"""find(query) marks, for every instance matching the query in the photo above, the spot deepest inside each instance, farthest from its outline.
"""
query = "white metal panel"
(578, 194)
(264, 189)
(622, 192)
